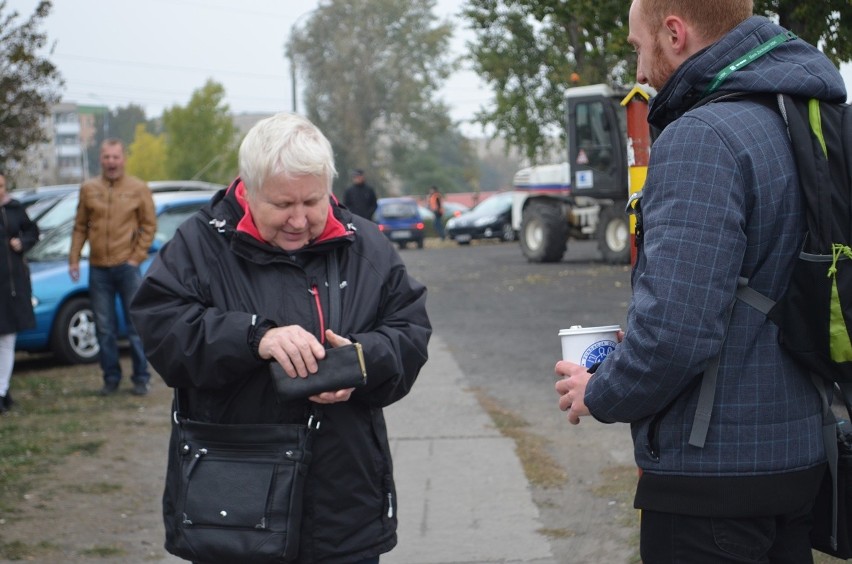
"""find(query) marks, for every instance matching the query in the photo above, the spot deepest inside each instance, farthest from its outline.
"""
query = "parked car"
(38, 200)
(451, 209)
(454, 209)
(64, 210)
(400, 220)
(490, 219)
(65, 324)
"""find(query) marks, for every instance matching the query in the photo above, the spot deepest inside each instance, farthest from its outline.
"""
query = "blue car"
(65, 323)
(399, 219)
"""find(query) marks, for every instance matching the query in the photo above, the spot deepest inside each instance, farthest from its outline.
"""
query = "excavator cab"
(595, 127)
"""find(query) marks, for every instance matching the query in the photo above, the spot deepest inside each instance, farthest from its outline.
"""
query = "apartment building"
(64, 157)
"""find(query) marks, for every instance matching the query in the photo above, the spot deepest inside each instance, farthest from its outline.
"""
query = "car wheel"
(402, 244)
(420, 243)
(507, 233)
(73, 340)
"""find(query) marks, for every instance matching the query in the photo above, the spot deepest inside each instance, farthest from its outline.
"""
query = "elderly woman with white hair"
(246, 282)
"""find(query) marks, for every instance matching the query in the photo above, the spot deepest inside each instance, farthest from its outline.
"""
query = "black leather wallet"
(343, 367)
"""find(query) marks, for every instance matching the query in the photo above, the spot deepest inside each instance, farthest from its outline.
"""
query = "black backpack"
(814, 316)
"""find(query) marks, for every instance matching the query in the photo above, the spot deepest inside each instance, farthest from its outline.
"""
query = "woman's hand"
(295, 349)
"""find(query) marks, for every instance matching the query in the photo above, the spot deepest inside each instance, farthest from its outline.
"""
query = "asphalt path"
(500, 316)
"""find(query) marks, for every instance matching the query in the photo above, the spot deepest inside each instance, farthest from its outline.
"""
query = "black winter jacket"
(16, 308)
(196, 311)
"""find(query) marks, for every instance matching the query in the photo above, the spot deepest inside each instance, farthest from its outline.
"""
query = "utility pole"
(293, 59)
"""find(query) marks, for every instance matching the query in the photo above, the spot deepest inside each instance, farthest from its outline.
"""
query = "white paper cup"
(588, 345)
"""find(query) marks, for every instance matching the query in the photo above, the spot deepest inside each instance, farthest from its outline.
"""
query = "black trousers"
(666, 538)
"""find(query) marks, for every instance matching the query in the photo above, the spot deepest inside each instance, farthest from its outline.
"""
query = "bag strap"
(826, 389)
(707, 393)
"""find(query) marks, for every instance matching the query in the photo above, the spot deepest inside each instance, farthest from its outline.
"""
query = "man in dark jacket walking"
(721, 201)
(360, 197)
(245, 283)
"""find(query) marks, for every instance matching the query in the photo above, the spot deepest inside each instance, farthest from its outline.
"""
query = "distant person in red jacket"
(436, 205)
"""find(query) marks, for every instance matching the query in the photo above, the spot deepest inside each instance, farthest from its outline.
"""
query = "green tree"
(373, 69)
(530, 51)
(826, 24)
(147, 155)
(447, 161)
(29, 83)
(201, 138)
(120, 124)
(123, 123)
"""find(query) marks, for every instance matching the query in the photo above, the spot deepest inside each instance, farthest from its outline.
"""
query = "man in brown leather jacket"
(116, 215)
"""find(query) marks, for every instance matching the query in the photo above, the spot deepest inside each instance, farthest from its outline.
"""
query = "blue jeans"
(439, 226)
(105, 285)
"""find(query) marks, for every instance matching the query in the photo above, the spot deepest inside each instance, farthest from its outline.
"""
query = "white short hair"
(286, 144)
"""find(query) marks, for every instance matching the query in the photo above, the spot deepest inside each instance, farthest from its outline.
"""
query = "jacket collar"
(794, 68)
(338, 224)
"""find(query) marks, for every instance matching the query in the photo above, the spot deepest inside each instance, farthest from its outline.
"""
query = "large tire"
(544, 233)
(613, 234)
(73, 339)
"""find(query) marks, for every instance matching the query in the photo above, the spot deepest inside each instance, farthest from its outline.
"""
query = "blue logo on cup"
(596, 352)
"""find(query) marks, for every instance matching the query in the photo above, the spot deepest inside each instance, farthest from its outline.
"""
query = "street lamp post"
(293, 58)
(105, 127)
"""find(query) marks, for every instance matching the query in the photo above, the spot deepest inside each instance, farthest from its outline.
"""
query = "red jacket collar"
(333, 227)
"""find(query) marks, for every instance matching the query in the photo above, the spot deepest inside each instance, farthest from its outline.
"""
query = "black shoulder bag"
(234, 492)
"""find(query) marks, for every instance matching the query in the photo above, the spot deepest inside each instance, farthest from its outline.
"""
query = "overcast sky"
(155, 53)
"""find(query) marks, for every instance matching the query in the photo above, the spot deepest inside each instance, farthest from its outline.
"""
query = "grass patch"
(618, 484)
(17, 550)
(554, 534)
(102, 551)
(540, 468)
(57, 413)
(89, 448)
(98, 488)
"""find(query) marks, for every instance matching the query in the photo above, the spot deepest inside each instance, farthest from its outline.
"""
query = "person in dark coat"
(721, 201)
(244, 283)
(360, 197)
(17, 235)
